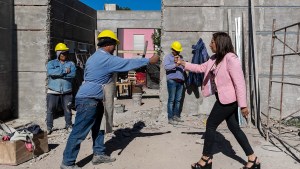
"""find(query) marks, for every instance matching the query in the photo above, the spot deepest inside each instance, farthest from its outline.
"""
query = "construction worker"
(60, 73)
(175, 82)
(88, 101)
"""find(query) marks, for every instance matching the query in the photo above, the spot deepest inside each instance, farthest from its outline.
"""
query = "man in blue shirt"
(175, 82)
(60, 73)
(98, 72)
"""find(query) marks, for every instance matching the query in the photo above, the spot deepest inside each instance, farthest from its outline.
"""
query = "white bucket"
(137, 99)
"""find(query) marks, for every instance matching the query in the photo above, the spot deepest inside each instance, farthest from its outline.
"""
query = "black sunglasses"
(65, 53)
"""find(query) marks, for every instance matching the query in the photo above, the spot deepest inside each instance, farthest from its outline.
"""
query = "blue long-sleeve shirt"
(58, 79)
(99, 70)
(172, 71)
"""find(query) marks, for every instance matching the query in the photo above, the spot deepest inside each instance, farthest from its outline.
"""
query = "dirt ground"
(142, 139)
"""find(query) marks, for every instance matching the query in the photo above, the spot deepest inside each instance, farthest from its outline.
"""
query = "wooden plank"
(136, 51)
(14, 153)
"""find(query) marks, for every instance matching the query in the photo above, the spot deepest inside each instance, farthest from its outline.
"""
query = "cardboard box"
(15, 152)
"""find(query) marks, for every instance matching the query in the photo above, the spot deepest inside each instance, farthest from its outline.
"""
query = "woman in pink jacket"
(223, 78)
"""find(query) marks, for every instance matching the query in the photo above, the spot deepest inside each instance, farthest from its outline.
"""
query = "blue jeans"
(52, 104)
(174, 100)
(88, 117)
(100, 149)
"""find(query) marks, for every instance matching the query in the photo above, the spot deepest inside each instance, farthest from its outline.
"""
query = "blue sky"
(132, 4)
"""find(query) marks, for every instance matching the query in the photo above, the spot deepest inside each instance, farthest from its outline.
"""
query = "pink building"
(134, 39)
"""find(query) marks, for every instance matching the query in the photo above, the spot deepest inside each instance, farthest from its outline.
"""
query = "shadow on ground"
(52, 146)
(221, 146)
(122, 138)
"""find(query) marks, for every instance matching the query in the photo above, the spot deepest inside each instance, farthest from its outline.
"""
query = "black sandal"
(254, 166)
(206, 166)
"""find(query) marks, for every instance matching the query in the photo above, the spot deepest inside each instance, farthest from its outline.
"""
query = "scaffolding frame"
(269, 127)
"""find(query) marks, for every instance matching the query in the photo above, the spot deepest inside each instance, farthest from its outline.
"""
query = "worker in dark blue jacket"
(98, 72)
(60, 74)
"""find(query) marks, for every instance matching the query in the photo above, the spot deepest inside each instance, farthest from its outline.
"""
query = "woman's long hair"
(223, 45)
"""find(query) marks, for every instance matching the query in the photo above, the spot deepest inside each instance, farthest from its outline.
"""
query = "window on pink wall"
(138, 42)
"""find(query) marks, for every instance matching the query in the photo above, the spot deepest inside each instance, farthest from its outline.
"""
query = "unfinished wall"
(6, 67)
(187, 21)
(31, 49)
(72, 21)
(128, 19)
(40, 24)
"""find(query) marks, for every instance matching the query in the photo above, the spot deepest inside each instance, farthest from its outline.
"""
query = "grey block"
(31, 2)
(32, 94)
(77, 5)
(114, 24)
(73, 15)
(194, 19)
(6, 89)
(265, 16)
(5, 51)
(237, 3)
(6, 1)
(279, 3)
(205, 3)
(128, 19)
(66, 31)
(32, 50)
(6, 14)
(31, 17)
(129, 15)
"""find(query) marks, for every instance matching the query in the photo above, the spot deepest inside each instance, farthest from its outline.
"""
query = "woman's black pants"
(219, 113)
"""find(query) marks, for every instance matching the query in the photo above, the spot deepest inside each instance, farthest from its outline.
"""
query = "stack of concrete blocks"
(187, 21)
(6, 56)
(40, 25)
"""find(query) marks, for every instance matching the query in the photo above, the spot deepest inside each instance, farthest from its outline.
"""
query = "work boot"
(171, 121)
(49, 131)
(69, 128)
(62, 166)
(178, 119)
(98, 159)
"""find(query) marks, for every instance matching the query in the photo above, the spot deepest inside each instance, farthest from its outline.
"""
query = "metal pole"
(270, 78)
(256, 65)
(229, 22)
(297, 47)
(282, 77)
(238, 47)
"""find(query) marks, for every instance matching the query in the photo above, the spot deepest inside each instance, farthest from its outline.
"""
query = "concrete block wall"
(40, 24)
(6, 55)
(187, 21)
(73, 21)
(31, 48)
(128, 19)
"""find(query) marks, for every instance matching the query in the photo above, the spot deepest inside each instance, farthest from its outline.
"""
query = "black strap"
(253, 161)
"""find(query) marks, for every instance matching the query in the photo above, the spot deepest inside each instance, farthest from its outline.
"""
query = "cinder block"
(5, 14)
(31, 50)
(32, 94)
(31, 17)
(31, 2)
(236, 3)
(114, 24)
(194, 19)
(128, 15)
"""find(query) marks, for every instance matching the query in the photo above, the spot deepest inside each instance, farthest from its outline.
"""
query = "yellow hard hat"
(176, 46)
(61, 47)
(109, 34)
